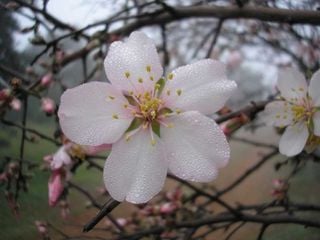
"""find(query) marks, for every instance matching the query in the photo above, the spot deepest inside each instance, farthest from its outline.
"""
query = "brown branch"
(41, 135)
(230, 12)
(250, 110)
(248, 172)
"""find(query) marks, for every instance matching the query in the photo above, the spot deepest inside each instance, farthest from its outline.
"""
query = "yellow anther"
(140, 80)
(148, 68)
(179, 91)
(115, 116)
(278, 116)
(153, 142)
(298, 111)
(301, 89)
(125, 105)
(111, 97)
(131, 93)
(153, 114)
(178, 111)
(151, 78)
(285, 117)
(170, 76)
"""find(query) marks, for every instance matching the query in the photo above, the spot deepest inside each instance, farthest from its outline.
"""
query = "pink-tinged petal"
(93, 150)
(314, 88)
(202, 86)
(60, 158)
(135, 170)
(94, 114)
(278, 113)
(55, 187)
(316, 123)
(293, 139)
(292, 84)
(133, 65)
(196, 147)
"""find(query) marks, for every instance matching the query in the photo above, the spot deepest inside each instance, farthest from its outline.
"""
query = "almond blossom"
(298, 110)
(155, 124)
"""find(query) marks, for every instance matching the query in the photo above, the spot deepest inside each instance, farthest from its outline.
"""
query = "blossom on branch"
(154, 123)
(298, 110)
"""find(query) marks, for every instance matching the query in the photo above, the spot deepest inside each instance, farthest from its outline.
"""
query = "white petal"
(292, 84)
(135, 170)
(203, 87)
(135, 57)
(60, 158)
(314, 88)
(278, 113)
(86, 114)
(316, 123)
(196, 147)
(294, 139)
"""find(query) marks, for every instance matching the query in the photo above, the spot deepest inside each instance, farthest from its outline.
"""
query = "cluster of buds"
(170, 204)
(158, 212)
(7, 98)
(280, 189)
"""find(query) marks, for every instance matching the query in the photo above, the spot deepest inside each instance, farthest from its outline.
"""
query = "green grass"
(34, 203)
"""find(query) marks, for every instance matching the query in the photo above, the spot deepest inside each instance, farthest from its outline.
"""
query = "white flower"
(298, 111)
(154, 124)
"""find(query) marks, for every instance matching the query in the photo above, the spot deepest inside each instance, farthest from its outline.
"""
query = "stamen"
(169, 125)
(170, 76)
(179, 91)
(148, 68)
(115, 116)
(127, 74)
(130, 134)
(153, 141)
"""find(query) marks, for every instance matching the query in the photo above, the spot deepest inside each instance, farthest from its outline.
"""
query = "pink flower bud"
(234, 59)
(46, 80)
(168, 208)
(42, 227)
(15, 104)
(4, 94)
(122, 221)
(55, 187)
(48, 105)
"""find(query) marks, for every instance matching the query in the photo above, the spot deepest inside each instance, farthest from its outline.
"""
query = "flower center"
(303, 112)
(149, 106)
